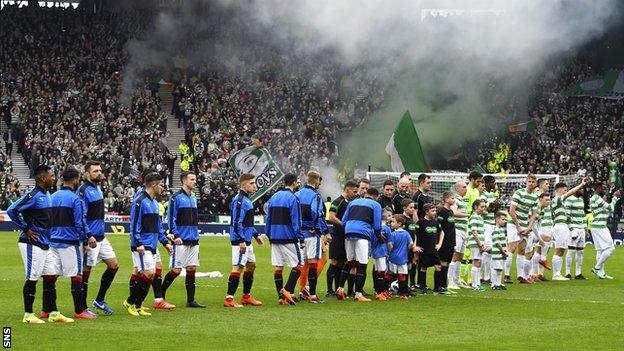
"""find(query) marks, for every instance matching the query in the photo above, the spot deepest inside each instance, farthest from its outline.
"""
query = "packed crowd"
(60, 93)
(223, 112)
(572, 135)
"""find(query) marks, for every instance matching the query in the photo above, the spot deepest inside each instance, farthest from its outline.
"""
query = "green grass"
(551, 315)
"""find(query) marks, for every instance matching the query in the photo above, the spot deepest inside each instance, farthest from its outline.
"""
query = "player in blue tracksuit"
(283, 227)
(183, 219)
(362, 221)
(67, 234)
(146, 231)
(100, 248)
(313, 226)
(379, 253)
(31, 214)
(241, 231)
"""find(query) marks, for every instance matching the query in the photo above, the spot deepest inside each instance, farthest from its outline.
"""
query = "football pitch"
(551, 315)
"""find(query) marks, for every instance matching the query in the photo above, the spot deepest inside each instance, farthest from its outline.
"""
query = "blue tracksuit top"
(362, 219)
(242, 221)
(145, 224)
(68, 226)
(93, 201)
(183, 217)
(379, 248)
(32, 211)
(312, 212)
(283, 221)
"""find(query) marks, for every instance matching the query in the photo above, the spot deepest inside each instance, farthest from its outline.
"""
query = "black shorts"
(446, 253)
(337, 249)
(428, 260)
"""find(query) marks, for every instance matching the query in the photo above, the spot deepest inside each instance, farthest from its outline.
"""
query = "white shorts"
(381, 264)
(475, 253)
(561, 235)
(143, 262)
(357, 250)
(286, 255)
(34, 259)
(241, 259)
(489, 229)
(512, 234)
(532, 240)
(497, 265)
(312, 249)
(460, 241)
(397, 268)
(157, 256)
(577, 238)
(66, 261)
(101, 252)
(602, 238)
(184, 256)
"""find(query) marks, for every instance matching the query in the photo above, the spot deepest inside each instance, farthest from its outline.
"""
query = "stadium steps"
(20, 168)
(175, 134)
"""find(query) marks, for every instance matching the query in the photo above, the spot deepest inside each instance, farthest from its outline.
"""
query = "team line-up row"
(63, 234)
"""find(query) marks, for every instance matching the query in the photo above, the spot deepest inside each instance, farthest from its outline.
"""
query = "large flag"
(258, 162)
(609, 85)
(404, 148)
(522, 127)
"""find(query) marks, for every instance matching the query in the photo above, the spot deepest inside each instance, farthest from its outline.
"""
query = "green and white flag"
(404, 148)
(258, 162)
(522, 127)
(609, 85)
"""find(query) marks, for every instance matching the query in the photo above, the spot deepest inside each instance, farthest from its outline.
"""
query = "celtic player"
(493, 205)
(561, 231)
(600, 234)
(461, 238)
(519, 227)
(578, 225)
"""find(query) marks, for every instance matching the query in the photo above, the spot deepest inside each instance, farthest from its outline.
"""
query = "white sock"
(520, 265)
(495, 277)
(451, 273)
(604, 255)
(535, 264)
(487, 259)
(568, 261)
(527, 267)
(476, 281)
(598, 253)
(579, 261)
(557, 261)
(508, 261)
(545, 247)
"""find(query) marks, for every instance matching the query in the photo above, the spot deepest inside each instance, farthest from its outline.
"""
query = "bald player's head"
(404, 185)
(461, 188)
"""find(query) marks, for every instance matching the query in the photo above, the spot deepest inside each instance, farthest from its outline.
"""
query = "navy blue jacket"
(283, 222)
(183, 217)
(93, 202)
(312, 212)
(32, 211)
(362, 219)
(68, 222)
(145, 224)
(242, 221)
